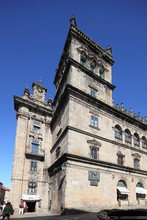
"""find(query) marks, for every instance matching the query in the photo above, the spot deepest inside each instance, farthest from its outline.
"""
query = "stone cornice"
(94, 46)
(94, 136)
(56, 166)
(74, 31)
(90, 73)
(110, 109)
(98, 104)
(85, 70)
(19, 101)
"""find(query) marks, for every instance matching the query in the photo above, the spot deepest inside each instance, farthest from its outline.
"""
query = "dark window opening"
(94, 153)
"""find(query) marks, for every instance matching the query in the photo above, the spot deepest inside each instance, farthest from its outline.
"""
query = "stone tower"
(85, 153)
(96, 146)
(32, 147)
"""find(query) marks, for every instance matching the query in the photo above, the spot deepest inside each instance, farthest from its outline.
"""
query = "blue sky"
(32, 36)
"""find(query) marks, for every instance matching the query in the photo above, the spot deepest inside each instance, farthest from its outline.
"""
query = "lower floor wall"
(77, 186)
(37, 202)
(84, 187)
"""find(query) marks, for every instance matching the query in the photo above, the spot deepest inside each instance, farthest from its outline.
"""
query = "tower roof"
(76, 32)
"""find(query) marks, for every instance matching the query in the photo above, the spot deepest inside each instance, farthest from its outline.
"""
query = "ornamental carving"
(95, 60)
(94, 142)
(136, 155)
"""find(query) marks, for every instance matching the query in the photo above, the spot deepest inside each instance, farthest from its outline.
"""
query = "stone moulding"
(97, 103)
(57, 165)
(18, 102)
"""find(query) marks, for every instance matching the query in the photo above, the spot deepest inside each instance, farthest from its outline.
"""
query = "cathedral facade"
(79, 151)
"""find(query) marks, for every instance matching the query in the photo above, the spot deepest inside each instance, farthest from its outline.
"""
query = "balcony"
(38, 155)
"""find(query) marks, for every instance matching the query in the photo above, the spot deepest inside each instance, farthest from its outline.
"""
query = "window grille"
(32, 187)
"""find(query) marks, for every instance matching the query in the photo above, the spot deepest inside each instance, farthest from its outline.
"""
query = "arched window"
(140, 191)
(144, 142)
(136, 139)
(92, 64)
(121, 183)
(127, 136)
(122, 191)
(83, 58)
(118, 132)
(101, 73)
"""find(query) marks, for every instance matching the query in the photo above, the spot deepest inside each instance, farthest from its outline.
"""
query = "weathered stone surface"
(77, 135)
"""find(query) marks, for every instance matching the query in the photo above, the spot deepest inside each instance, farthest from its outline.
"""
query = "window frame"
(36, 128)
(93, 92)
(120, 159)
(83, 58)
(121, 183)
(35, 147)
(118, 132)
(92, 65)
(144, 142)
(94, 121)
(32, 187)
(136, 140)
(33, 168)
(101, 73)
(94, 152)
(140, 195)
(128, 136)
(136, 163)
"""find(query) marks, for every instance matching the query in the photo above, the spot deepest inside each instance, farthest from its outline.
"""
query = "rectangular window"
(136, 163)
(32, 187)
(120, 160)
(94, 153)
(36, 128)
(94, 121)
(35, 148)
(93, 93)
(33, 167)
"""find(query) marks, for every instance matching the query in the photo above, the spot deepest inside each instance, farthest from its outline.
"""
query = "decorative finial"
(50, 101)
(131, 110)
(73, 22)
(26, 91)
(40, 81)
(109, 49)
(122, 105)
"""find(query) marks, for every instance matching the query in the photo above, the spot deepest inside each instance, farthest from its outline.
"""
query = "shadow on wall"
(73, 212)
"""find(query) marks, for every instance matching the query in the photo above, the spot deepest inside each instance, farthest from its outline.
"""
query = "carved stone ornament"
(93, 177)
(136, 155)
(120, 153)
(94, 142)
(73, 21)
(39, 89)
